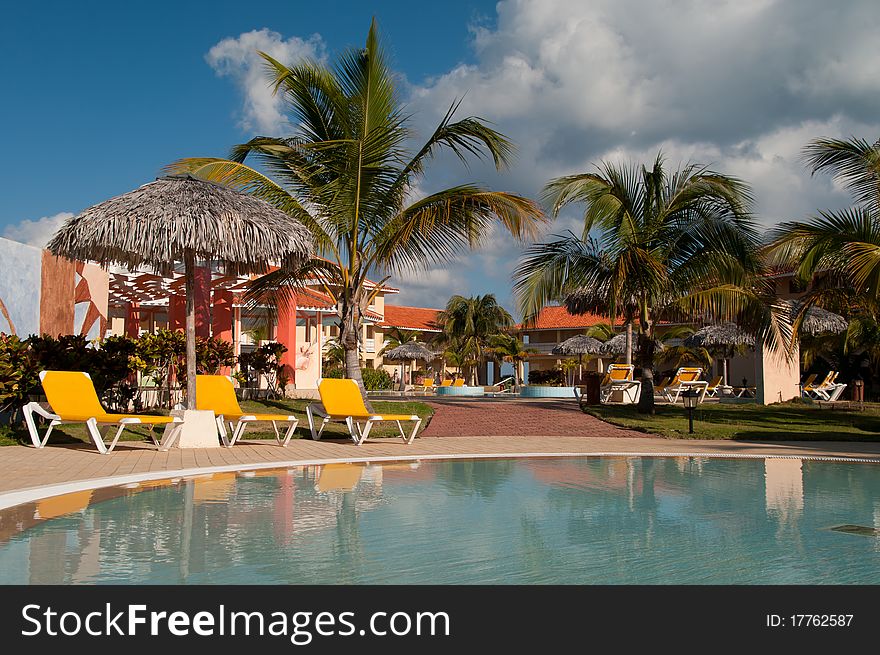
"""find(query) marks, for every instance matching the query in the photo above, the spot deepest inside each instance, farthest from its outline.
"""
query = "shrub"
(335, 373)
(19, 374)
(553, 377)
(376, 379)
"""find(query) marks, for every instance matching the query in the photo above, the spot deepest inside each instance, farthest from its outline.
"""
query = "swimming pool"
(577, 520)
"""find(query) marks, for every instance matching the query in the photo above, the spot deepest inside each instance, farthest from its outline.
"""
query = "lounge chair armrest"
(38, 408)
(318, 410)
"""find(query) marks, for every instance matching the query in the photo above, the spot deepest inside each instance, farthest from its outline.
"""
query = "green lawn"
(784, 422)
(72, 433)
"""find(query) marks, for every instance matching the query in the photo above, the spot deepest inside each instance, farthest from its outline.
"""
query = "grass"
(795, 421)
(13, 435)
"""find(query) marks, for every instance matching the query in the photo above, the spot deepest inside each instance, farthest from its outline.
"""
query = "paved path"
(488, 431)
(529, 418)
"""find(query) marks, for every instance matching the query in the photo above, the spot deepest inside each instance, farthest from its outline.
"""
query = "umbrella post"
(190, 280)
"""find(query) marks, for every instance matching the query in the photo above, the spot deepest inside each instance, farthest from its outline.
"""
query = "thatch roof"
(579, 344)
(617, 345)
(156, 223)
(819, 321)
(407, 351)
(727, 335)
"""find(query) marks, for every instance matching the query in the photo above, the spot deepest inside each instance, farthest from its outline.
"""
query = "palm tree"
(334, 353)
(469, 324)
(397, 337)
(668, 246)
(838, 251)
(508, 348)
(347, 175)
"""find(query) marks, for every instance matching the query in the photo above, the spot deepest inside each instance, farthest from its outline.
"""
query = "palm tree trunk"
(190, 275)
(349, 338)
(629, 342)
(646, 359)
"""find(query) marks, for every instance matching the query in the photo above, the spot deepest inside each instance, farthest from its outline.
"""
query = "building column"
(778, 374)
(133, 320)
(203, 301)
(285, 334)
(176, 312)
(221, 320)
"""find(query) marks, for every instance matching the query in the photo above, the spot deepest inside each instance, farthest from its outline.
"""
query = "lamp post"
(690, 397)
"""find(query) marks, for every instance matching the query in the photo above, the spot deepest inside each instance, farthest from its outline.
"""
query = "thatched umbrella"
(579, 345)
(819, 321)
(724, 336)
(616, 345)
(407, 352)
(180, 218)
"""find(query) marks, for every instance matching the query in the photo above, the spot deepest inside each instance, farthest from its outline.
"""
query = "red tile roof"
(311, 299)
(411, 318)
(558, 318)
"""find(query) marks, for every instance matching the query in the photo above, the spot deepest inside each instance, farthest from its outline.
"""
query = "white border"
(19, 497)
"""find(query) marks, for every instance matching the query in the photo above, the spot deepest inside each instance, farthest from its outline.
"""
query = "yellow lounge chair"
(686, 378)
(216, 393)
(446, 383)
(619, 377)
(808, 383)
(715, 389)
(660, 386)
(459, 382)
(342, 401)
(73, 399)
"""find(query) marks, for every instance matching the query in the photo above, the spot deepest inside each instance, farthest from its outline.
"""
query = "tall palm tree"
(346, 173)
(668, 246)
(838, 251)
(508, 348)
(469, 324)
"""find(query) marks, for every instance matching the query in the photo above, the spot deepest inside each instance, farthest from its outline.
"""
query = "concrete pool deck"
(457, 430)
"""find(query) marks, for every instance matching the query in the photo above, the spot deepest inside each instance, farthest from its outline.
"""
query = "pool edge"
(28, 495)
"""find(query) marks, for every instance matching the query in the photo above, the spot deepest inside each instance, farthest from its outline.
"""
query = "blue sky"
(102, 94)
(99, 95)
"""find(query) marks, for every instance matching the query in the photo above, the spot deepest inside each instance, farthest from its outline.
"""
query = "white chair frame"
(357, 432)
(98, 432)
(238, 428)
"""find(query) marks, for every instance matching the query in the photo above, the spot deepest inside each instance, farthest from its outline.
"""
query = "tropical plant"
(265, 362)
(675, 353)
(19, 373)
(334, 354)
(159, 356)
(469, 324)
(213, 354)
(396, 337)
(668, 246)
(508, 348)
(347, 175)
(376, 379)
(837, 253)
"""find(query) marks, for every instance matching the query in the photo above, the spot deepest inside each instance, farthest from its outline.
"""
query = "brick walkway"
(529, 418)
(540, 428)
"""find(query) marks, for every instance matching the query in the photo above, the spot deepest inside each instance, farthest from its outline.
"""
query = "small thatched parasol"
(819, 321)
(721, 336)
(616, 345)
(579, 345)
(407, 352)
(181, 218)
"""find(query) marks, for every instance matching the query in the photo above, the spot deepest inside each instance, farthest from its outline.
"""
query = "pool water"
(533, 521)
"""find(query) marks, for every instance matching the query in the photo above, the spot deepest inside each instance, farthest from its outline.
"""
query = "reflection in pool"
(565, 520)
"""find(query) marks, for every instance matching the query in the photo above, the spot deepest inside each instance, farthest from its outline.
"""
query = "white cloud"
(238, 59)
(36, 232)
(430, 288)
(740, 85)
